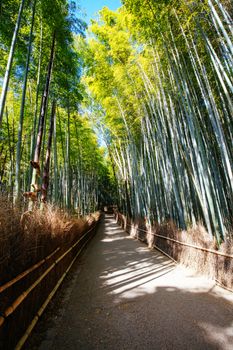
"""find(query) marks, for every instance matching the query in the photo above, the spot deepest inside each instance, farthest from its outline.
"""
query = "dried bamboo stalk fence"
(24, 298)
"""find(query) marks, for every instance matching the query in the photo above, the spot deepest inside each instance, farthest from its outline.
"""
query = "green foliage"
(76, 160)
(154, 80)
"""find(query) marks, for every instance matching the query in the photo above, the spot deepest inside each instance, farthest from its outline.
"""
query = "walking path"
(124, 296)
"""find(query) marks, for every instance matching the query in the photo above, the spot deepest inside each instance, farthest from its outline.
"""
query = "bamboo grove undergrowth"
(160, 82)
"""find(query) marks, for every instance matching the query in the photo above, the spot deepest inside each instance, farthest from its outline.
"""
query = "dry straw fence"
(192, 248)
(24, 298)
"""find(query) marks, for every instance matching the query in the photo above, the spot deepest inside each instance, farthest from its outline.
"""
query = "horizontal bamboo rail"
(18, 301)
(27, 272)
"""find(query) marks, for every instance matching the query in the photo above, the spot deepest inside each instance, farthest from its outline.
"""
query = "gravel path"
(124, 296)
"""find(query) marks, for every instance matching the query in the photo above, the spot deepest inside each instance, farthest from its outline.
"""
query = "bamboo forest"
(132, 111)
(153, 81)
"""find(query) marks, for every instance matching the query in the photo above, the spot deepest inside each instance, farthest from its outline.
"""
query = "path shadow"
(129, 298)
(167, 317)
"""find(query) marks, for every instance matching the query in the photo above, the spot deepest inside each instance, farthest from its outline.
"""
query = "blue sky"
(90, 7)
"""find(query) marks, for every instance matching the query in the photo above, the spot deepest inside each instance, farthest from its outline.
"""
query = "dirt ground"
(120, 295)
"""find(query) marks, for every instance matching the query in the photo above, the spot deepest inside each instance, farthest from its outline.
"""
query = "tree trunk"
(35, 162)
(68, 182)
(45, 180)
(22, 107)
(11, 157)
(44, 103)
(56, 183)
(33, 134)
(128, 205)
(9, 62)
